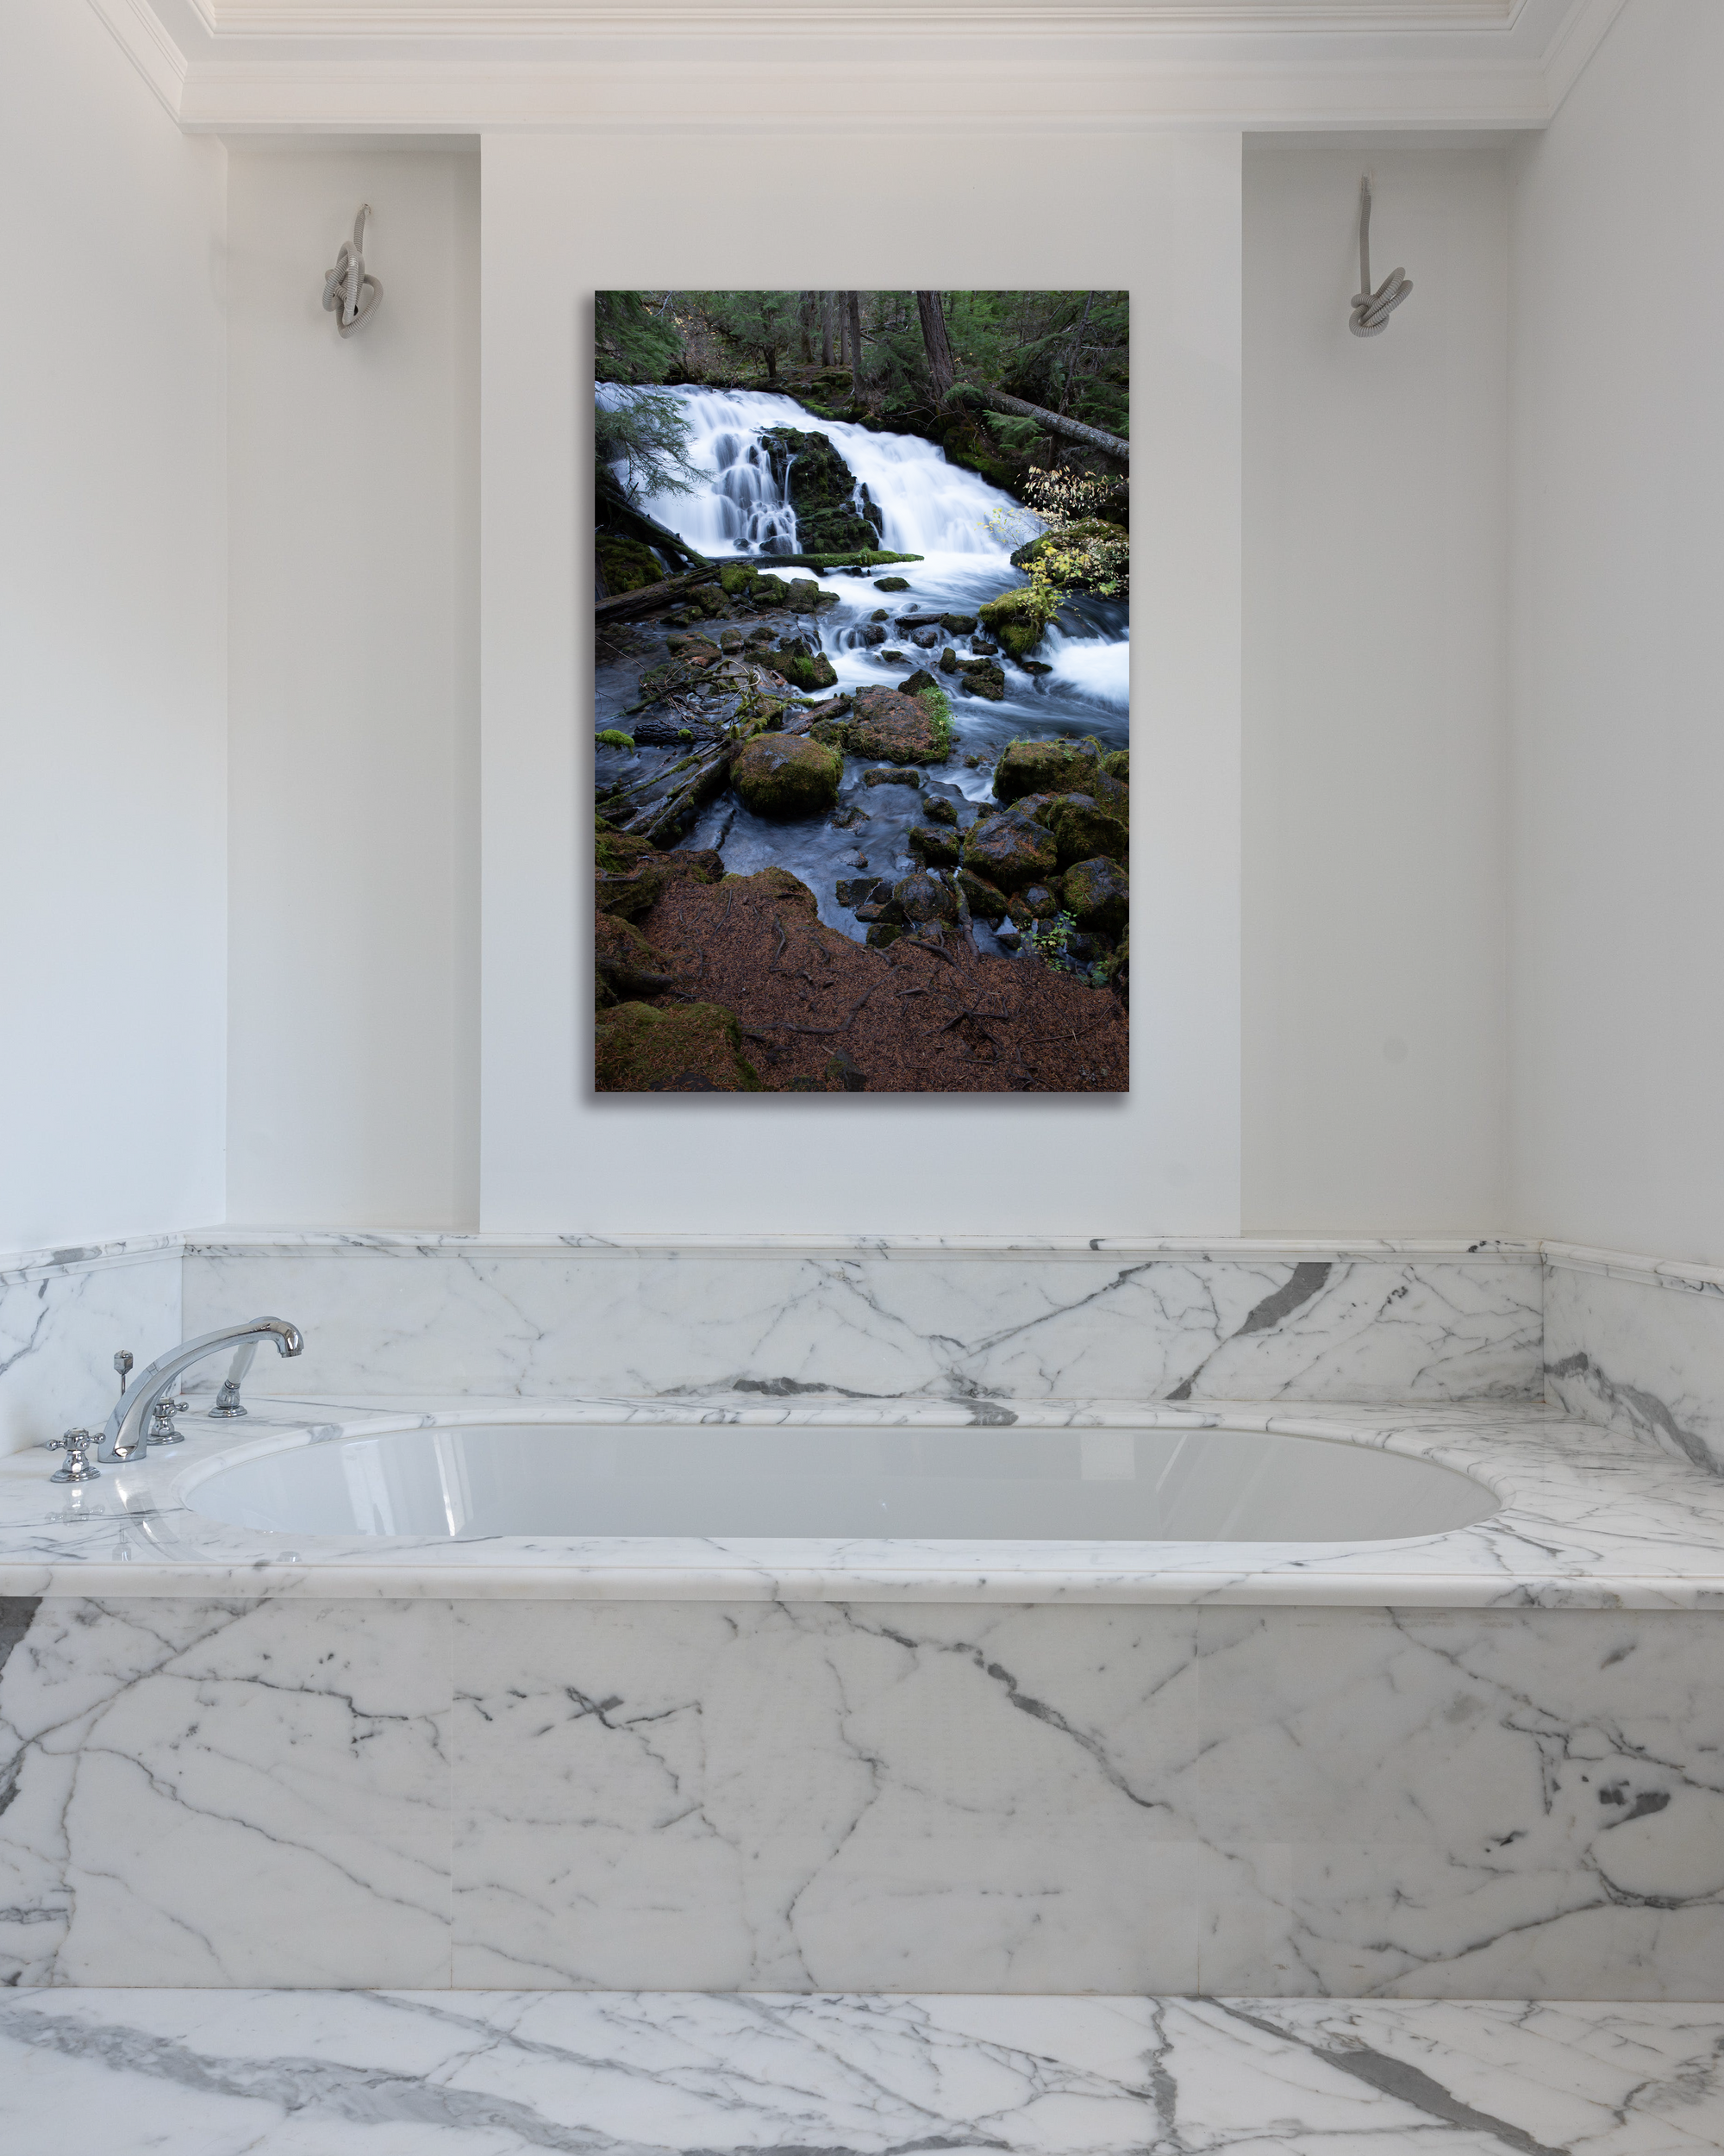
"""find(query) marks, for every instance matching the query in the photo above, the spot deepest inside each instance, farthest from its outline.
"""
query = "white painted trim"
(139, 33)
(1042, 70)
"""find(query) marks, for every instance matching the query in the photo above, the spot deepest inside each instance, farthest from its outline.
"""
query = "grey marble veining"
(886, 1319)
(62, 1315)
(402, 2073)
(1639, 1348)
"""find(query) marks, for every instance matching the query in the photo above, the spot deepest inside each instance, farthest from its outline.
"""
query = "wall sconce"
(1370, 310)
(351, 293)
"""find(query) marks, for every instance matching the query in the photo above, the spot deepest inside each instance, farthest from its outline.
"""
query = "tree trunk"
(1057, 423)
(935, 342)
(825, 329)
(805, 325)
(1076, 352)
(854, 306)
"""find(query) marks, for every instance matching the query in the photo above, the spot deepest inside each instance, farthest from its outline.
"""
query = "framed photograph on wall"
(861, 693)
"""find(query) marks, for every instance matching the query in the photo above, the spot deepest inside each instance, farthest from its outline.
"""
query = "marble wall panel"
(215, 1794)
(1028, 1798)
(62, 1315)
(1640, 1351)
(1087, 1326)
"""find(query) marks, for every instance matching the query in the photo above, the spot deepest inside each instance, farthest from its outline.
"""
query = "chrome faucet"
(126, 1435)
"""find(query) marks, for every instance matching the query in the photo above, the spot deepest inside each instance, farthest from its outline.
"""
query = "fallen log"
(823, 562)
(624, 604)
(1058, 423)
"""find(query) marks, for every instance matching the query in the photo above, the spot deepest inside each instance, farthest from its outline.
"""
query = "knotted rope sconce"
(351, 293)
(1370, 310)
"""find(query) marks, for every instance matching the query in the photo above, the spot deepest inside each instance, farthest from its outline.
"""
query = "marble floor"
(489, 2073)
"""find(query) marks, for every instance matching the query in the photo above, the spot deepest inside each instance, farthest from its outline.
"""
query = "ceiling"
(420, 66)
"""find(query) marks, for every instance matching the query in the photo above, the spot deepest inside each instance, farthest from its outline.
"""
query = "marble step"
(489, 2073)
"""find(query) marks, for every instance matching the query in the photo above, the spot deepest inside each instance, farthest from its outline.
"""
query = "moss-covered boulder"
(650, 876)
(924, 897)
(899, 729)
(1041, 900)
(694, 1048)
(615, 852)
(1015, 620)
(833, 514)
(1112, 794)
(915, 683)
(1080, 556)
(1046, 767)
(1117, 765)
(1098, 896)
(890, 584)
(959, 624)
(805, 596)
(807, 670)
(938, 810)
(776, 887)
(787, 775)
(626, 964)
(984, 899)
(627, 565)
(1083, 830)
(1010, 850)
(982, 678)
(937, 843)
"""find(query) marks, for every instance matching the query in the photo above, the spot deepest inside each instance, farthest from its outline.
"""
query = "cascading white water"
(927, 506)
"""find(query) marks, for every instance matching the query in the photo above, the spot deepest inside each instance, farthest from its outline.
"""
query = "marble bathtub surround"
(864, 1797)
(1587, 1517)
(1486, 1764)
(246, 2073)
(1637, 1347)
(877, 1317)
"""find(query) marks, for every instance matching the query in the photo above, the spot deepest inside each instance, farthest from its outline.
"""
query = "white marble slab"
(1639, 1347)
(403, 2073)
(1588, 1518)
(875, 1317)
(863, 1797)
(63, 1313)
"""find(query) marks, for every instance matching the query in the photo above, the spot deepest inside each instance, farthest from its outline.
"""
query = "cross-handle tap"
(126, 1435)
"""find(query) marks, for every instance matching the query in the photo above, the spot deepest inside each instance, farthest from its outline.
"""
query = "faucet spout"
(126, 1435)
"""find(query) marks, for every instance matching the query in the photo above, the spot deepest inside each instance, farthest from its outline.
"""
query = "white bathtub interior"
(472, 1481)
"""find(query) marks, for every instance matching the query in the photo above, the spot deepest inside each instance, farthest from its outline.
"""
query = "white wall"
(112, 597)
(1619, 568)
(1376, 675)
(353, 893)
(563, 215)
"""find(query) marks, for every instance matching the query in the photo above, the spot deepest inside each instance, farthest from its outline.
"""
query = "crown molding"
(769, 66)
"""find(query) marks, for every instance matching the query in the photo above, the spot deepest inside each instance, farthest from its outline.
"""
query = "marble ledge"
(273, 2073)
(1591, 1518)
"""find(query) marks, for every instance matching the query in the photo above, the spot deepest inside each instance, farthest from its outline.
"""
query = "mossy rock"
(937, 843)
(890, 584)
(938, 810)
(985, 900)
(776, 886)
(1085, 831)
(926, 897)
(805, 596)
(615, 852)
(1098, 896)
(822, 489)
(915, 683)
(695, 1048)
(1014, 621)
(646, 879)
(982, 678)
(959, 624)
(626, 564)
(787, 775)
(737, 580)
(899, 729)
(807, 670)
(1117, 765)
(1042, 900)
(1010, 850)
(1069, 542)
(1046, 767)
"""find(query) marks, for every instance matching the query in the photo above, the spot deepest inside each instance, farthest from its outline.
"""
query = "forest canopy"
(903, 353)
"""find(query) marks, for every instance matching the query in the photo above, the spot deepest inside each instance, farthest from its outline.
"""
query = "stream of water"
(966, 530)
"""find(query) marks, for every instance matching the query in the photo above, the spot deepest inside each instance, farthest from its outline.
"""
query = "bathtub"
(471, 1480)
(884, 1695)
